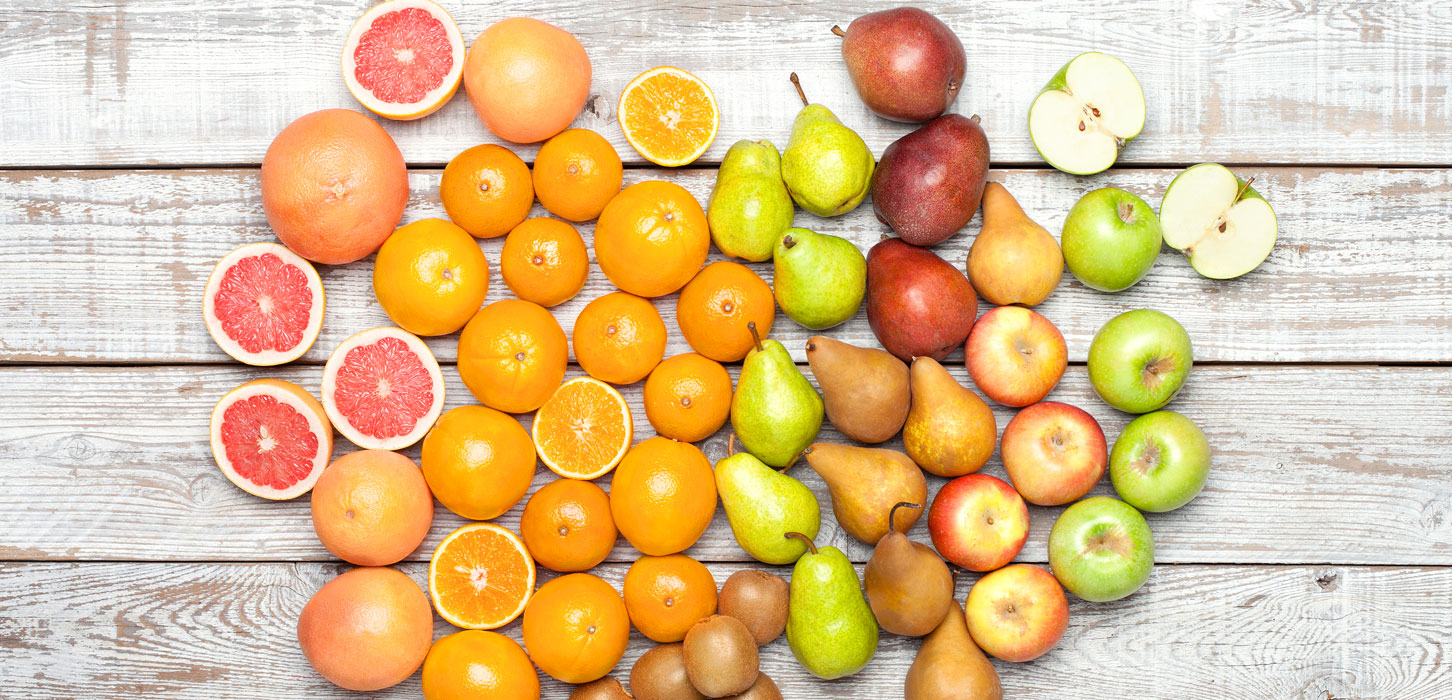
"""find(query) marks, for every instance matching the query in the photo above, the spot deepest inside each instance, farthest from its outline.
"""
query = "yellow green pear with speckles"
(827, 167)
(775, 411)
(750, 206)
(830, 627)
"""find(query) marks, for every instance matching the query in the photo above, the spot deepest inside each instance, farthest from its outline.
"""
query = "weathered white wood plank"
(154, 82)
(106, 266)
(210, 631)
(1312, 464)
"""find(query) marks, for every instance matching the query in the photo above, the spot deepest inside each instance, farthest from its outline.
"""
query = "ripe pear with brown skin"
(865, 389)
(1013, 259)
(908, 585)
(917, 304)
(929, 183)
(866, 482)
(949, 666)
(950, 431)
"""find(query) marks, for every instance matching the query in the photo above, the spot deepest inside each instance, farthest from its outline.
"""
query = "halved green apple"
(1087, 113)
(1218, 220)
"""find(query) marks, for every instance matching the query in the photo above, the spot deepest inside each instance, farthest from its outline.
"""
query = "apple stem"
(811, 546)
(787, 241)
(892, 514)
(838, 31)
(797, 82)
(1243, 188)
(755, 338)
(731, 444)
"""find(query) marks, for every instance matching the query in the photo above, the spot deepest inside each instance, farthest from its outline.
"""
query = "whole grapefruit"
(367, 629)
(527, 79)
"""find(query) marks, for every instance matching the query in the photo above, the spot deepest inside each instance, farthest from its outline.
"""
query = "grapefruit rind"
(265, 358)
(341, 422)
(301, 401)
(453, 617)
(435, 98)
(635, 140)
(543, 417)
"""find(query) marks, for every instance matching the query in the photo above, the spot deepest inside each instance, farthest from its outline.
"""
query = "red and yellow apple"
(1054, 453)
(978, 522)
(1015, 355)
(1017, 613)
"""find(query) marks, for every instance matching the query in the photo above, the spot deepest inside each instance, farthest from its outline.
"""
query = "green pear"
(830, 627)
(750, 206)
(775, 411)
(820, 278)
(763, 505)
(827, 166)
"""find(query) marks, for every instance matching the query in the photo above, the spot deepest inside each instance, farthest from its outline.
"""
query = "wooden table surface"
(1317, 563)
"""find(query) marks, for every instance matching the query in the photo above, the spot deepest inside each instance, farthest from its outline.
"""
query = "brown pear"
(606, 688)
(949, 666)
(866, 482)
(1013, 259)
(865, 389)
(949, 431)
(908, 586)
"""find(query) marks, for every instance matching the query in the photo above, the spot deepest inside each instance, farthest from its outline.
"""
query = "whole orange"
(333, 186)
(478, 461)
(652, 238)
(544, 261)
(619, 338)
(367, 629)
(666, 595)
(372, 507)
(576, 628)
(512, 355)
(567, 525)
(430, 277)
(663, 495)
(715, 307)
(688, 397)
(477, 664)
(527, 79)
(576, 174)
(487, 190)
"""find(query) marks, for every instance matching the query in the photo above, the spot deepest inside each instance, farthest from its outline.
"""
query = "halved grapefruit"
(403, 58)
(382, 389)
(264, 304)
(271, 438)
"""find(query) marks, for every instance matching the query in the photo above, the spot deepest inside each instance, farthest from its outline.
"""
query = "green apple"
(1218, 220)
(1101, 549)
(1089, 111)
(1160, 462)
(1111, 239)
(1139, 360)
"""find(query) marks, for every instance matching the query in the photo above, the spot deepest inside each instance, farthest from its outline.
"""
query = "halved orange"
(584, 430)
(668, 115)
(481, 577)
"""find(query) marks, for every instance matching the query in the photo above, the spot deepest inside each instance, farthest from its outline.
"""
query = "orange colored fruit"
(487, 190)
(512, 355)
(715, 307)
(576, 174)
(668, 115)
(544, 261)
(663, 495)
(576, 628)
(583, 430)
(480, 577)
(430, 277)
(367, 629)
(666, 595)
(372, 507)
(333, 186)
(652, 238)
(403, 59)
(473, 664)
(619, 338)
(567, 525)
(478, 461)
(688, 397)
(527, 79)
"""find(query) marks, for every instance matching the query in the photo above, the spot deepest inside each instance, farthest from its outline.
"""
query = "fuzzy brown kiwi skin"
(763, 689)
(721, 657)
(759, 600)
(660, 674)
(606, 688)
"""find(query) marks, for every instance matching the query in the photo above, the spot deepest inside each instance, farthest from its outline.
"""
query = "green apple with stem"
(1218, 220)
(1160, 462)
(1111, 239)
(1087, 113)
(1101, 549)
(1139, 360)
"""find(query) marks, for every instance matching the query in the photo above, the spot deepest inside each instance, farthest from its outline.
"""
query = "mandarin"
(430, 277)
(544, 261)
(487, 190)
(478, 462)
(576, 174)
(652, 238)
(372, 507)
(688, 397)
(619, 338)
(567, 525)
(663, 496)
(576, 628)
(476, 664)
(665, 596)
(512, 355)
(715, 306)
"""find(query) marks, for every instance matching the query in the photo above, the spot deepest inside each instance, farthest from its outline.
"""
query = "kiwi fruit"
(720, 656)
(660, 674)
(606, 688)
(759, 600)
(763, 689)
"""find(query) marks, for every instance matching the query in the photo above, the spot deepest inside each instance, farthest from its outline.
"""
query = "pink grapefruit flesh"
(271, 438)
(404, 58)
(264, 304)
(382, 388)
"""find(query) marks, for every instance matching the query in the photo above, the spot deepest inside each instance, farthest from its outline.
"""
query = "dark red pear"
(929, 183)
(906, 64)
(917, 304)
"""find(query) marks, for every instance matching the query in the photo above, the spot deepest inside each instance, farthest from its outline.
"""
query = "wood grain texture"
(107, 266)
(1347, 81)
(1311, 465)
(217, 631)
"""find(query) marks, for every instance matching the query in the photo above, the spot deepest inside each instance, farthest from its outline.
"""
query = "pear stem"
(1243, 188)
(731, 444)
(789, 465)
(811, 546)
(755, 337)
(838, 31)
(976, 119)
(892, 514)
(797, 82)
(787, 241)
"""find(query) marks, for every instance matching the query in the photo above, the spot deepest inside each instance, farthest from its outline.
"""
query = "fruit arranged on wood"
(1015, 355)
(478, 462)
(666, 596)
(368, 629)
(430, 277)
(263, 304)
(866, 482)
(567, 526)
(663, 495)
(271, 438)
(750, 207)
(905, 63)
(763, 689)
(819, 278)
(583, 430)
(1101, 549)
(1087, 113)
(660, 674)
(949, 430)
(668, 116)
(1218, 221)
(478, 664)
(372, 507)
(576, 174)
(917, 304)
(1111, 239)
(481, 577)
(403, 59)
(382, 389)
(687, 397)
(576, 628)
(929, 183)
(606, 688)
(865, 390)
(1054, 453)
(1013, 259)
(715, 306)
(830, 627)
(1160, 462)
(486, 190)
(512, 355)
(1139, 360)
(619, 338)
(544, 261)
(763, 504)
(652, 238)
(759, 600)
(775, 411)
(949, 666)
(826, 166)
(527, 79)
(720, 656)
(1017, 613)
(978, 522)
(333, 186)
(908, 586)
